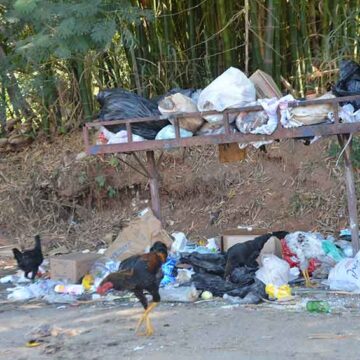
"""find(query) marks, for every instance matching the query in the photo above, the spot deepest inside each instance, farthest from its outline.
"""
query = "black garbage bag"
(118, 104)
(349, 82)
(257, 288)
(243, 276)
(213, 283)
(209, 263)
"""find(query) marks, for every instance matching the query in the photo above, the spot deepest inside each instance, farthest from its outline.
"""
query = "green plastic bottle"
(318, 306)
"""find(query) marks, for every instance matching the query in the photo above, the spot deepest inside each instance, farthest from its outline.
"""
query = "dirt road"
(196, 331)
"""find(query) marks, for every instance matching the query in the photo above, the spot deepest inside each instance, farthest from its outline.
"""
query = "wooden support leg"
(351, 194)
(154, 184)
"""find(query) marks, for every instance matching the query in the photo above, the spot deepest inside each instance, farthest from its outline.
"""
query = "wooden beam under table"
(154, 184)
(350, 190)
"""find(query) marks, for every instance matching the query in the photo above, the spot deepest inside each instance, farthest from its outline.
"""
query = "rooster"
(138, 273)
(30, 260)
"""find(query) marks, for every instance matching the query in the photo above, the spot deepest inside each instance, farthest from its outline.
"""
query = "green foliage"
(101, 181)
(111, 192)
(59, 53)
(70, 28)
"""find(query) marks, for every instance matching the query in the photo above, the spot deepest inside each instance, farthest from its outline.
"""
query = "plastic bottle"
(318, 306)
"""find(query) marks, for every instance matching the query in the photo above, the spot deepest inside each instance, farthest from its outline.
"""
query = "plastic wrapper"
(210, 263)
(169, 272)
(349, 81)
(102, 267)
(249, 298)
(332, 250)
(118, 104)
(184, 276)
(259, 122)
(179, 294)
(179, 243)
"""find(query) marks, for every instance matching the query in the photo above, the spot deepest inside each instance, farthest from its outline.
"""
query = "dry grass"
(44, 189)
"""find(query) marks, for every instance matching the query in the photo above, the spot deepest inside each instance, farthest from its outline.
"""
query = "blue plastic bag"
(168, 271)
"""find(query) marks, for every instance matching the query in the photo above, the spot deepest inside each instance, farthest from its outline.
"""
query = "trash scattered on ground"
(345, 275)
(278, 292)
(138, 237)
(206, 295)
(194, 273)
(168, 270)
(318, 306)
(179, 243)
(69, 289)
(179, 294)
(71, 267)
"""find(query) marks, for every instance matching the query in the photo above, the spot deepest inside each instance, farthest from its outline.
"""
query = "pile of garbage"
(232, 89)
(192, 271)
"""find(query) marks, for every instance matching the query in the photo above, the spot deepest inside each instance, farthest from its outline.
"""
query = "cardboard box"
(231, 153)
(138, 237)
(265, 85)
(235, 236)
(71, 267)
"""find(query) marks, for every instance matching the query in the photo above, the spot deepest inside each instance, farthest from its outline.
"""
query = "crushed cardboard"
(138, 237)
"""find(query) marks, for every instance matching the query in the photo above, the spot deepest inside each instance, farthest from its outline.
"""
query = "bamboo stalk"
(269, 37)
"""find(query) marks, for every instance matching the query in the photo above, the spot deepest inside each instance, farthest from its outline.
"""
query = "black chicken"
(138, 273)
(30, 260)
(246, 253)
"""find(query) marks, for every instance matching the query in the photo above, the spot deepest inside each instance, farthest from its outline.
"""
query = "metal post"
(154, 184)
(351, 193)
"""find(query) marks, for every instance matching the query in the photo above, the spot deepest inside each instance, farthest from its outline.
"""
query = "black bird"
(30, 260)
(246, 253)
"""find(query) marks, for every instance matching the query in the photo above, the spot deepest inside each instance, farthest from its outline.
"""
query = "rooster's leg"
(145, 317)
(307, 278)
(149, 327)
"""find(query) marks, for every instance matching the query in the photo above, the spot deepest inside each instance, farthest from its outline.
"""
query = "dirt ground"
(209, 330)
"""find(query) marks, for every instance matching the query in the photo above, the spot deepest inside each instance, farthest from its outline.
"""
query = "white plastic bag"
(119, 137)
(259, 122)
(231, 89)
(346, 275)
(168, 132)
(180, 242)
(273, 270)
